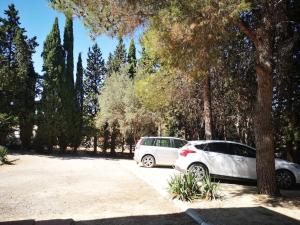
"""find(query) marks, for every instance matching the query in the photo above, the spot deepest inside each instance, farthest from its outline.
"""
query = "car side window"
(148, 141)
(241, 150)
(163, 142)
(219, 148)
(179, 143)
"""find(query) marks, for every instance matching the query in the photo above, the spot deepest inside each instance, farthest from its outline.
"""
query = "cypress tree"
(93, 81)
(131, 59)
(26, 93)
(68, 135)
(8, 29)
(53, 67)
(79, 84)
(17, 77)
(79, 104)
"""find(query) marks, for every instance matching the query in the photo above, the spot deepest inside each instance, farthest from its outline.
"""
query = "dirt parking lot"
(102, 191)
(88, 190)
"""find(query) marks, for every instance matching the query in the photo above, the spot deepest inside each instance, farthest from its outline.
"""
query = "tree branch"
(248, 32)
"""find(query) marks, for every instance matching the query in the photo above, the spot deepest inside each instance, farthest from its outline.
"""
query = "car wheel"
(199, 170)
(148, 161)
(285, 179)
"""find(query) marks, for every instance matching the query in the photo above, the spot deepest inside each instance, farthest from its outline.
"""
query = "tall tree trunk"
(123, 143)
(26, 128)
(130, 148)
(263, 40)
(265, 164)
(207, 108)
(95, 143)
(113, 139)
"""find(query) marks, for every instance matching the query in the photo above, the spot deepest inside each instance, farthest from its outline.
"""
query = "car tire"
(285, 179)
(199, 170)
(148, 161)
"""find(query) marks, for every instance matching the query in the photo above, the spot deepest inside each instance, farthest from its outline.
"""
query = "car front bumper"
(297, 176)
(136, 158)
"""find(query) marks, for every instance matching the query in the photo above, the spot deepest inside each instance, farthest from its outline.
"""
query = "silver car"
(231, 159)
(151, 151)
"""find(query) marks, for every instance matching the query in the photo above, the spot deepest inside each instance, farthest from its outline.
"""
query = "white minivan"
(151, 151)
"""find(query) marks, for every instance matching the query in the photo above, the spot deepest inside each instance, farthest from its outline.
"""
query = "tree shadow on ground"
(287, 200)
(246, 216)
(238, 188)
(74, 155)
(9, 162)
(216, 216)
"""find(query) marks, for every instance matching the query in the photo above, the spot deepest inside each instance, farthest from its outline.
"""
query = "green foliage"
(122, 107)
(50, 114)
(3, 154)
(93, 80)
(185, 187)
(79, 94)
(68, 134)
(118, 59)
(209, 189)
(109, 65)
(131, 59)
(17, 77)
(154, 91)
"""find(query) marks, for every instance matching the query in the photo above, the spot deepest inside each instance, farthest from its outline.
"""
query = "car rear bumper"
(180, 169)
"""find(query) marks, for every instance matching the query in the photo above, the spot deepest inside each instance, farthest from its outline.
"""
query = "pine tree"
(78, 123)
(53, 67)
(131, 59)
(68, 135)
(93, 81)
(117, 59)
(109, 65)
(119, 56)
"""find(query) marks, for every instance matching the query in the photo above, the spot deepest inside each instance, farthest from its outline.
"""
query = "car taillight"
(185, 152)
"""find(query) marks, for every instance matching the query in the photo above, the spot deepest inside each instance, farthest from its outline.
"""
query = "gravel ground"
(98, 191)
(88, 190)
(239, 203)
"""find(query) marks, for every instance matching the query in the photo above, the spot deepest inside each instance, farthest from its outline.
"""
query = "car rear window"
(148, 141)
(163, 142)
(241, 150)
(219, 147)
(201, 147)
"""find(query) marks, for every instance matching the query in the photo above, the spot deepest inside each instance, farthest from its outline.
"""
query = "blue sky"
(37, 18)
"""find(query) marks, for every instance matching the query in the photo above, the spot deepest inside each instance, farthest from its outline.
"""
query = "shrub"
(209, 189)
(3, 154)
(186, 187)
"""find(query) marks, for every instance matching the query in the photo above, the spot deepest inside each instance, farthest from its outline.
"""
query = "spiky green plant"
(184, 187)
(3, 154)
(209, 189)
